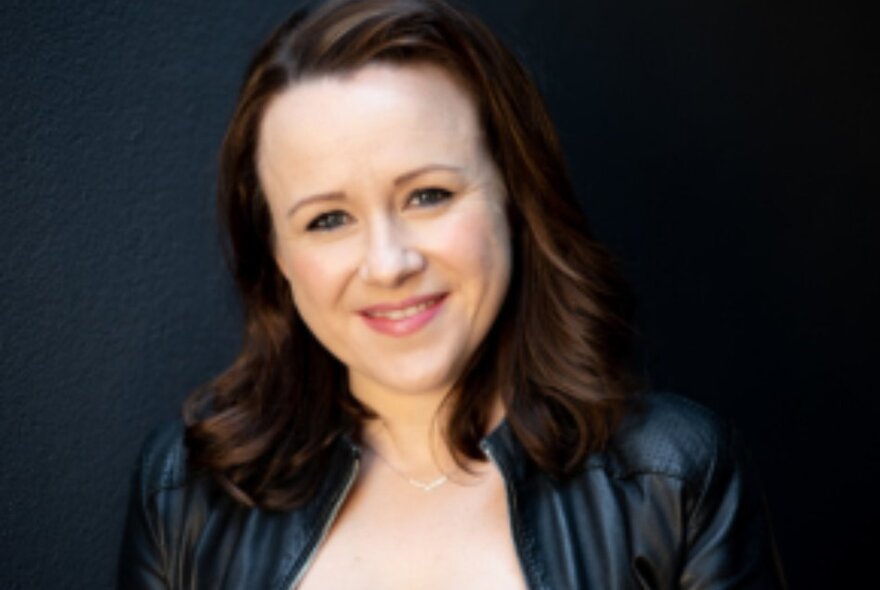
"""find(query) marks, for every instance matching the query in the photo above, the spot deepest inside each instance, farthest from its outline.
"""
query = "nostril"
(391, 266)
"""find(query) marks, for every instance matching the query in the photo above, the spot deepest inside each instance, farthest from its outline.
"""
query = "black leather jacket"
(669, 504)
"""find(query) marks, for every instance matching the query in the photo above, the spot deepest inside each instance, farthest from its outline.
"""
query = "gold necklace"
(425, 486)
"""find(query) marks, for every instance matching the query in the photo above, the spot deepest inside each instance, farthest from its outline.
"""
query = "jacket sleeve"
(143, 555)
(729, 539)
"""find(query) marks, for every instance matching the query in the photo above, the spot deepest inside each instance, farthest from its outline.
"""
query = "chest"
(389, 536)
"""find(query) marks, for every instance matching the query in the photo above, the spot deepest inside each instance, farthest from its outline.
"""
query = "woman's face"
(389, 221)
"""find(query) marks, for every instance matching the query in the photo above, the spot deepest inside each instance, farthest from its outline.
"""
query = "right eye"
(328, 221)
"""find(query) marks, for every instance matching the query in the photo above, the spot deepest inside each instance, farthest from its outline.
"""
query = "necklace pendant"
(429, 485)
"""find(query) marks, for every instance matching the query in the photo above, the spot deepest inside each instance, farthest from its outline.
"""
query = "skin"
(380, 190)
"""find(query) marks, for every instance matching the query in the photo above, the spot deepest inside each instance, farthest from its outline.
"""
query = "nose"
(389, 258)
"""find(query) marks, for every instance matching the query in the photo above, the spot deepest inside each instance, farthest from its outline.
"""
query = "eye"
(328, 221)
(428, 197)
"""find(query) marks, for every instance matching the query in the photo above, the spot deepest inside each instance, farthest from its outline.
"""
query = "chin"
(440, 380)
(421, 385)
(423, 370)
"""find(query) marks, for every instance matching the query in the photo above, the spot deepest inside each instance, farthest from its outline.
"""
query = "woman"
(431, 391)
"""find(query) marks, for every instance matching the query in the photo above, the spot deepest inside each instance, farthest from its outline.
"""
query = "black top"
(671, 503)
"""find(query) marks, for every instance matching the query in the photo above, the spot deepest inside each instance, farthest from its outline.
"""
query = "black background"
(725, 150)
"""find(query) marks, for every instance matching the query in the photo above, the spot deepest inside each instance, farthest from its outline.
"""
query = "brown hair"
(557, 352)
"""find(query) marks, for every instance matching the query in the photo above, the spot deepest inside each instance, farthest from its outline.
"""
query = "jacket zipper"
(517, 542)
(327, 524)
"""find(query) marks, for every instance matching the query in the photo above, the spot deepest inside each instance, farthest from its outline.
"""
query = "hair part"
(557, 352)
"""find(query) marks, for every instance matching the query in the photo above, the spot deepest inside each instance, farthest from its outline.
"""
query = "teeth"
(399, 314)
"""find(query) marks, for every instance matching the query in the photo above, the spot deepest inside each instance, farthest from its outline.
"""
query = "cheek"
(477, 240)
(317, 276)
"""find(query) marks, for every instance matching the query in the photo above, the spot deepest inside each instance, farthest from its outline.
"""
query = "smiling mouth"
(403, 313)
(404, 318)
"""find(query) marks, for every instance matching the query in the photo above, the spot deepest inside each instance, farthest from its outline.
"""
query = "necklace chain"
(425, 486)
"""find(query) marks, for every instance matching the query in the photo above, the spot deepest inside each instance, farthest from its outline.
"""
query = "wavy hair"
(558, 350)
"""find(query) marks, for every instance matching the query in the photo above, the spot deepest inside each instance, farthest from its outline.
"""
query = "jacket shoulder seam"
(163, 460)
(670, 436)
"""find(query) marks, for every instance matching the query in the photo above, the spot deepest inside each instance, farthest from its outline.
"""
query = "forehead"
(378, 112)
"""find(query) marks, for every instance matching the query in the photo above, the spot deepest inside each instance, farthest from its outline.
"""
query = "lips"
(405, 317)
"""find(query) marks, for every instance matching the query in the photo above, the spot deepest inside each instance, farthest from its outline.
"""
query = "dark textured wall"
(725, 150)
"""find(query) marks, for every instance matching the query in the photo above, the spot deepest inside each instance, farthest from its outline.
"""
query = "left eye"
(427, 197)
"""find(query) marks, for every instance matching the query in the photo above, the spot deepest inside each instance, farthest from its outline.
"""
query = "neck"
(409, 429)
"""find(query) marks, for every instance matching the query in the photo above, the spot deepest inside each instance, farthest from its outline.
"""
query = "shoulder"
(151, 540)
(665, 434)
(162, 461)
(167, 496)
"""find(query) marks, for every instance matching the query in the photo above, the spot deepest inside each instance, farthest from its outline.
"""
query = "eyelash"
(426, 197)
(438, 195)
(327, 221)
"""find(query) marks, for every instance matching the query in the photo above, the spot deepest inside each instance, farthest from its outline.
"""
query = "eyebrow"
(334, 196)
(403, 178)
(407, 176)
